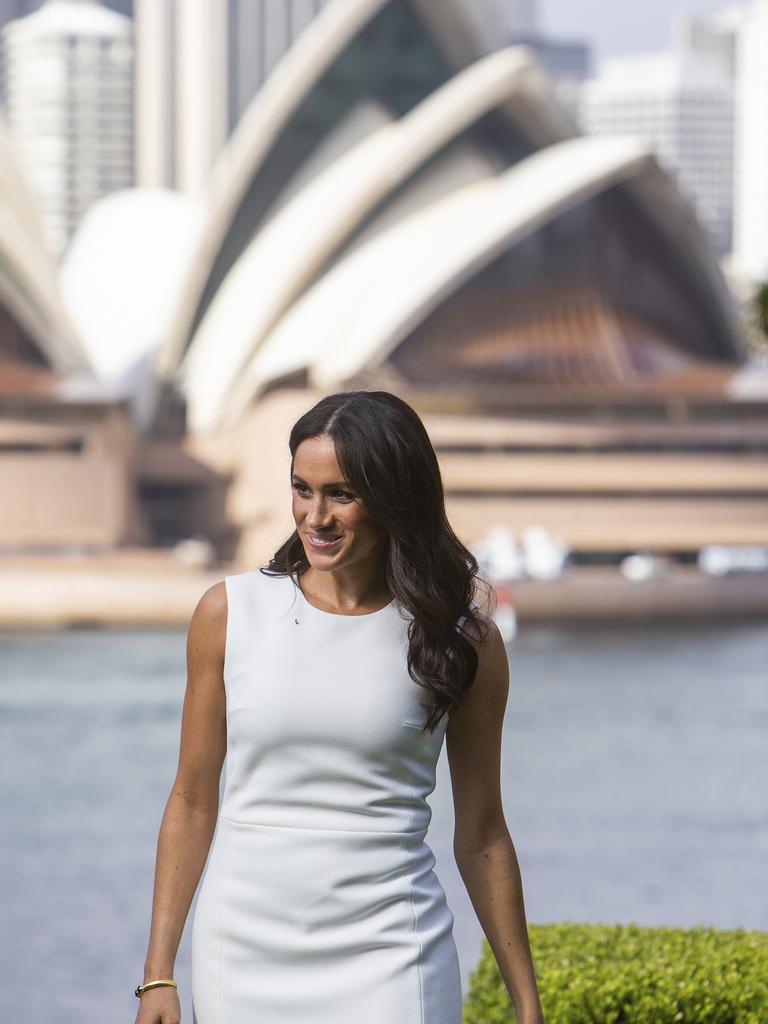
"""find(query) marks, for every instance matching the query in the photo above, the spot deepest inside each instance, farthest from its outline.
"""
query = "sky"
(620, 26)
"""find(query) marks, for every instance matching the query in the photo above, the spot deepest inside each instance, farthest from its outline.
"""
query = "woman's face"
(326, 509)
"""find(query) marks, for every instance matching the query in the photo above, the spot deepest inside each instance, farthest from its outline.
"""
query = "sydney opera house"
(404, 206)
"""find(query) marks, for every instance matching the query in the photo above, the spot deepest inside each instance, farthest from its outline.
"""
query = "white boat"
(504, 614)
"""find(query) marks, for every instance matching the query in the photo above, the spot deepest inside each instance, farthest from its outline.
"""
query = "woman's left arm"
(482, 845)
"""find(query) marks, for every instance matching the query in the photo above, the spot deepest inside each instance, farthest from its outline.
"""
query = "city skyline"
(201, 62)
(633, 30)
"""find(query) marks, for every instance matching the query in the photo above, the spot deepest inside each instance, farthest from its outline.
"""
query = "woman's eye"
(345, 495)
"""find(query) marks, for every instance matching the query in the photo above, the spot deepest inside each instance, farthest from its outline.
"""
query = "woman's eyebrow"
(338, 483)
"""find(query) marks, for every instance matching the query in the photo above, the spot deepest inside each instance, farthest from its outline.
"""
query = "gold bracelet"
(140, 989)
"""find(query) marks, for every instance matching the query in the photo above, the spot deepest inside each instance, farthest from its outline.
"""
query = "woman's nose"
(318, 513)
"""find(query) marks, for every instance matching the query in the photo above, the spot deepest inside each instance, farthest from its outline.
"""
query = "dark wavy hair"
(386, 456)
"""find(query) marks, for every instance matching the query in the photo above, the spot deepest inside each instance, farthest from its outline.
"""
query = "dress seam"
(351, 831)
(421, 950)
(220, 929)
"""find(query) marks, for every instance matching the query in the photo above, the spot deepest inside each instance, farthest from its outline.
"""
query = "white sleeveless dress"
(319, 903)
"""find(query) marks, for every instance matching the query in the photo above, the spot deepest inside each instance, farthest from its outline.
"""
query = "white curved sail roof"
(28, 285)
(123, 270)
(299, 240)
(675, 217)
(348, 321)
(463, 32)
(278, 99)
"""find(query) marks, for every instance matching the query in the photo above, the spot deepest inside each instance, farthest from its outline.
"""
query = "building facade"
(68, 92)
(683, 104)
(517, 17)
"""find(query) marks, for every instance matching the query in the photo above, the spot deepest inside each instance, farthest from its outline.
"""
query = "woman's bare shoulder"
(483, 632)
(208, 625)
(214, 599)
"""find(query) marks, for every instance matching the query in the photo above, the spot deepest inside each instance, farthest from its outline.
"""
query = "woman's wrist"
(149, 986)
(154, 971)
(529, 1012)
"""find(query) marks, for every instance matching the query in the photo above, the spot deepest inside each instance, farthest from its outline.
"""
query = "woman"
(331, 678)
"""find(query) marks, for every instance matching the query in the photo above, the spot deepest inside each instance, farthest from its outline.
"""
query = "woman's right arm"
(189, 820)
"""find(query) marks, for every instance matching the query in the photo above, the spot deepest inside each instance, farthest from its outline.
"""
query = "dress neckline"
(340, 615)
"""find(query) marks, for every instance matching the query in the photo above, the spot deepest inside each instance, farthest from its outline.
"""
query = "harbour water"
(635, 774)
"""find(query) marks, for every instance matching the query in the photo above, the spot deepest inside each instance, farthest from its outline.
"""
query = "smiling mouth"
(318, 541)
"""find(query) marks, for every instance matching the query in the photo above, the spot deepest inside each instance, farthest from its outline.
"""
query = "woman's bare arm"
(483, 848)
(190, 814)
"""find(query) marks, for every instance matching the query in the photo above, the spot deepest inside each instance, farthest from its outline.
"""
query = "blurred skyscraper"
(682, 103)
(519, 17)
(568, 61)
(10, 9)
(199, 64)
(68, 84)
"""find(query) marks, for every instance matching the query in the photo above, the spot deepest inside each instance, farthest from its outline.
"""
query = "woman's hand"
(160, 1006)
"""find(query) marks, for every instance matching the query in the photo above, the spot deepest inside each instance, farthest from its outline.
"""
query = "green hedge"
(630, 974)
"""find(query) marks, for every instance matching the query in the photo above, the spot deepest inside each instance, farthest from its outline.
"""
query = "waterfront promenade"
(146, 587)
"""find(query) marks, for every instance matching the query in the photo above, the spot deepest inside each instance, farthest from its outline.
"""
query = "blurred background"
(544, 225)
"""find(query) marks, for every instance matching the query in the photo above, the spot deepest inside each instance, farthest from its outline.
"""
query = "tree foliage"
(760, 304)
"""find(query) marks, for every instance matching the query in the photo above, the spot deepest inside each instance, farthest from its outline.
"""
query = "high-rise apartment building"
(567, 61)
(517, 17)
(18, 8)
(682, 103)
(68, 86)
